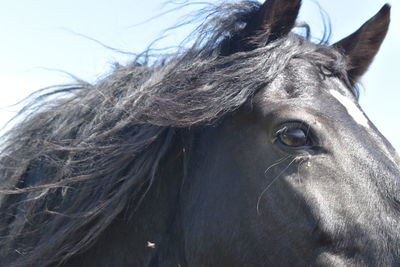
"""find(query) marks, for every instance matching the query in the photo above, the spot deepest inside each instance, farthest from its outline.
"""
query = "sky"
(39, 37)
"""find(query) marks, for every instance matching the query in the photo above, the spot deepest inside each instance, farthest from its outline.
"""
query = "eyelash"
(285, 128)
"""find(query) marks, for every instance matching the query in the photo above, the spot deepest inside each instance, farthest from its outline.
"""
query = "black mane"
(84, 151)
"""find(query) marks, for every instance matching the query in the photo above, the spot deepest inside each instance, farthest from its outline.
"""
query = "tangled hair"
(84, 151)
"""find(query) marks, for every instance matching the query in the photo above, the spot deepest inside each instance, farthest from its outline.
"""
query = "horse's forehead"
(303, 84)
(300, 78)
(341, 94)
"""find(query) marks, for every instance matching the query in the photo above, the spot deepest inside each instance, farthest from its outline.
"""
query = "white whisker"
(273, 181)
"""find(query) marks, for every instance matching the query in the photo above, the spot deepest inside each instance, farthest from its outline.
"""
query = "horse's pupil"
(294, 137)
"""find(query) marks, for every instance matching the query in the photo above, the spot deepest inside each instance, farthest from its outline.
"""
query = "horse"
(247, 148)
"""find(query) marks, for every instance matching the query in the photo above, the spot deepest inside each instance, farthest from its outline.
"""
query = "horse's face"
(298, 176)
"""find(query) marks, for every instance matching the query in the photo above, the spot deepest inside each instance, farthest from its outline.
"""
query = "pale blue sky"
(35, 34)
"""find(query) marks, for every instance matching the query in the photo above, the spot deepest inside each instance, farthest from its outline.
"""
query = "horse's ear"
(276, 18)
(362, 46)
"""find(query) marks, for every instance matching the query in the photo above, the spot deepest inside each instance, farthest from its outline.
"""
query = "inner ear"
(362, 46)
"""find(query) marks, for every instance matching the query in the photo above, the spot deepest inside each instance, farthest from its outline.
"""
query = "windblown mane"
(84, 151)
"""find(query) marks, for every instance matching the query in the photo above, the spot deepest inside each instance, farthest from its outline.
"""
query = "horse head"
(299, 175)
(247, 149)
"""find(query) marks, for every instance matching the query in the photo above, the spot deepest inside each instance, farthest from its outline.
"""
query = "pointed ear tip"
(385, 10)
(384, 14)
(387, 6)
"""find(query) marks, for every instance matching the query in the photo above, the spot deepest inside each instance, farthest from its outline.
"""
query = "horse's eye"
(293, 137)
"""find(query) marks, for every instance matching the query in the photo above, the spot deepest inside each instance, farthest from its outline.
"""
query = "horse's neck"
(147, 236)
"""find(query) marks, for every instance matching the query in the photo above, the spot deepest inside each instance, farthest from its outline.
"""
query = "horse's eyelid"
(290, 125)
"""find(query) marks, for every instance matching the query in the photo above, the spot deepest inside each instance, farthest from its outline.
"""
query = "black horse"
(247, 149)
